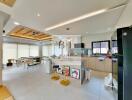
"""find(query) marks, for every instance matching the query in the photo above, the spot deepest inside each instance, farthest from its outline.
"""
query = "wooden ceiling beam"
(24, 32)
(19, 30)
(9, 3)
(42, 36)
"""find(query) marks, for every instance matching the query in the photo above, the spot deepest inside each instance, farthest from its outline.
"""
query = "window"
(96, 47)
(114, 47)
(9, 52)
(104, 47)
(34, 50)
(57, 50)
(23, 50)
(14, 51)
(47, 50)
(100, 47)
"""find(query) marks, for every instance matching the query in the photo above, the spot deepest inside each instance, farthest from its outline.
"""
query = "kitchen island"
(74, 64)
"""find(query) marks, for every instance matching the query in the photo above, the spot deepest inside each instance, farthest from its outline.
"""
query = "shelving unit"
(34, 61)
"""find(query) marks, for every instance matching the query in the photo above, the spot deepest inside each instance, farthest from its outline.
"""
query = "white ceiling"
(126, 18)
(4, 18)
(98, 24)
(53, 12)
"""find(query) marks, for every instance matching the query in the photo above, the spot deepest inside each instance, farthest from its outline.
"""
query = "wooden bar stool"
(55, 75)
(65, 81)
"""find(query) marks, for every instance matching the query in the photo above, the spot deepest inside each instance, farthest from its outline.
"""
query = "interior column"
(3, 19)
(40, 51)
(1, 53)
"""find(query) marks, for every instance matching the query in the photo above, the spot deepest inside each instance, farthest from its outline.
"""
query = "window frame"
(100, 47)
(114, 46)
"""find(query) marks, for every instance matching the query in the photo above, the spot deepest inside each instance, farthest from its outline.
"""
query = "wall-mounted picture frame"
(66, 70)
(75, 73)
(60, 70)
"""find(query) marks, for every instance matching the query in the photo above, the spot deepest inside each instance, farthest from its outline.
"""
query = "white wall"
(87, 39)
(74, 40)
(1, 28)
(3, 19)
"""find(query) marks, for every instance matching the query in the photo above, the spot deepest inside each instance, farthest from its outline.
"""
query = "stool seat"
(56, 66)
(55, 76)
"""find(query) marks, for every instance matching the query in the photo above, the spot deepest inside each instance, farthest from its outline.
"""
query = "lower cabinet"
(95, 63)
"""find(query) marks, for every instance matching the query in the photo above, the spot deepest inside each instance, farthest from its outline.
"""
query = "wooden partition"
(96, 64)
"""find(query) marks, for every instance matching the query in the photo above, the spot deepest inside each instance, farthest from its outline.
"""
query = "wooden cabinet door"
(91, 63)
(108, 65)
(100, 65)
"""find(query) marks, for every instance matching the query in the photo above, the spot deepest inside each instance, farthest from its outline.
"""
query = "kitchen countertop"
(68, 60)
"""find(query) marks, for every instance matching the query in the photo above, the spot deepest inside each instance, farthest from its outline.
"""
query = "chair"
(9, 62)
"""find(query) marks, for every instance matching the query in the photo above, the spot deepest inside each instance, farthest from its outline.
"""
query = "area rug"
(5, 94)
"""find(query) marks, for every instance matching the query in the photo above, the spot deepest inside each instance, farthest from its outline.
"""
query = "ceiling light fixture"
(4, 35)
(16, 23)
(38, 14)
(77, 19)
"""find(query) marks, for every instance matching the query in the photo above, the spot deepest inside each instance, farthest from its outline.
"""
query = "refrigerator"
(124, 60)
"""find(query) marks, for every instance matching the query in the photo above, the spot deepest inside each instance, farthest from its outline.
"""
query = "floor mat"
(5, 94)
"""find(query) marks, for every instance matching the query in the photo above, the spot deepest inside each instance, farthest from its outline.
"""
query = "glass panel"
(104, 47)
(104, 50)
(96, 45)
(96, 50)
(114, 43)
(114, 50)
(57, 50)
(104, 44)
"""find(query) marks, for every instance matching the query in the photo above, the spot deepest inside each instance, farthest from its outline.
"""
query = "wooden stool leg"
(65, 81)
(55, 76)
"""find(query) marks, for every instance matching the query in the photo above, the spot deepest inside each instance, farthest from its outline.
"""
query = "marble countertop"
(68, 61)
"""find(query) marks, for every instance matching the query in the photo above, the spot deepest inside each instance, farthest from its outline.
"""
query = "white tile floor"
(34, 84)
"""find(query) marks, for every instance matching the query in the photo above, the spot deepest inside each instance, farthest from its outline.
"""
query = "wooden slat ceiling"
(9, 3)
(28, 33)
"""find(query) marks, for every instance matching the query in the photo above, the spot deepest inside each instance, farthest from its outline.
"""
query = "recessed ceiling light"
(16, 23)
(38, 14)
(69, 40)
(77, 19)
(4, 35)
